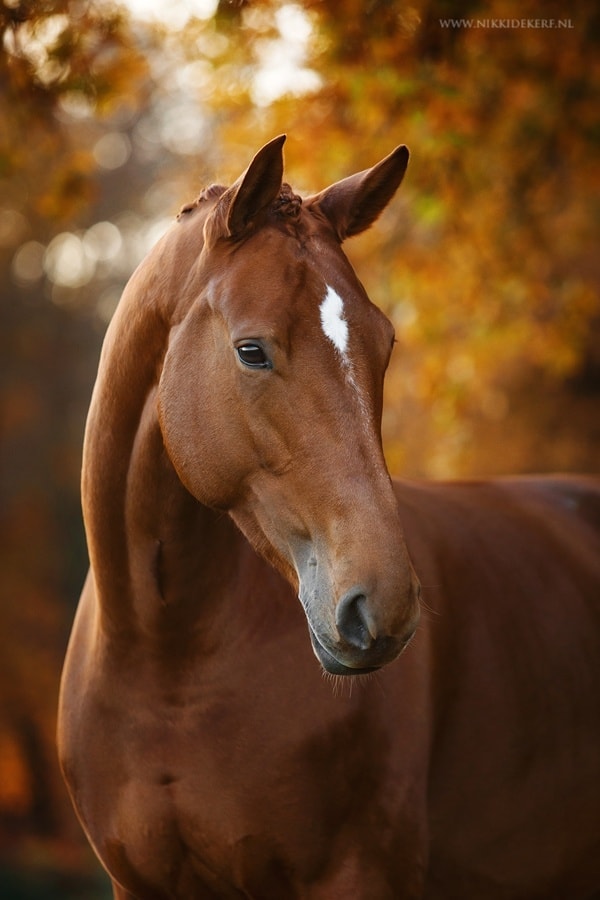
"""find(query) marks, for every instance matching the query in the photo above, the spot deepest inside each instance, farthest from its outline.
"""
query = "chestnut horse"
(232, 463)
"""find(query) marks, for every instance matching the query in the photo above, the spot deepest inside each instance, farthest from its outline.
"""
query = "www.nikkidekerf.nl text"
(506, 23)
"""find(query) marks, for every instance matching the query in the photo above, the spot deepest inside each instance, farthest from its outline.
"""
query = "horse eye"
(253, 356)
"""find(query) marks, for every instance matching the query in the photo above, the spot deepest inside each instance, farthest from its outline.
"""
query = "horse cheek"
(202, 438)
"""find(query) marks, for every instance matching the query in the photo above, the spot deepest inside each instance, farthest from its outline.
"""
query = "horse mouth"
(333, 665)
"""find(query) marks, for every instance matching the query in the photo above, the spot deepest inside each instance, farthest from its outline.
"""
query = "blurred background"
(112, 115)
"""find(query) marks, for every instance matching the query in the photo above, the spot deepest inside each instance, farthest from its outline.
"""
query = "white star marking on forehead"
(336, 330)
(332, 320)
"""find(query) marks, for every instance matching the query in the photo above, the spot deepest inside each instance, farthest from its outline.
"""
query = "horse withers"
(233, 464)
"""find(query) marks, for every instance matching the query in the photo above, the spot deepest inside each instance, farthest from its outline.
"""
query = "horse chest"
(236, 790)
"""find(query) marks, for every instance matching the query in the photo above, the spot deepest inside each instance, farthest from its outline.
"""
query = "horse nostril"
(353, 620)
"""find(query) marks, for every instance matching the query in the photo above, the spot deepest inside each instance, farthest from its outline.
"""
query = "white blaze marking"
(332, 320)
(335, 327)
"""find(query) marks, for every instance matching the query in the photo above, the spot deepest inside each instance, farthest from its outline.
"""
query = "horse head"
(271, 393)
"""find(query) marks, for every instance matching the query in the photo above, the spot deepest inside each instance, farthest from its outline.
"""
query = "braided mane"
(288, 203)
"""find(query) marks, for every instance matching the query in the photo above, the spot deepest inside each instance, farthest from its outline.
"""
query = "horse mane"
(212, 192)
(287, 204)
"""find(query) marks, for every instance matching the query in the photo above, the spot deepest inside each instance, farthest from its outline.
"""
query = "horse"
(290, 676)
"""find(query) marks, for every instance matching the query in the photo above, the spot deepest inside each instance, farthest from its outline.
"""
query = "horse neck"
(149, 540)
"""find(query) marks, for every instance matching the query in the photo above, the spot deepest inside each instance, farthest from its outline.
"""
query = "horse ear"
(353, 204)
(254, 191)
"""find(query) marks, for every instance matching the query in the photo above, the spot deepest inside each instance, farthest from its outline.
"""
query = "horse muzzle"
(359, 644)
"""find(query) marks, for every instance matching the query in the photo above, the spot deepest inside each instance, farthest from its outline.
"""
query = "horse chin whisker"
(336, 682)
(425, 607)
(344, 684)
(428, 614)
